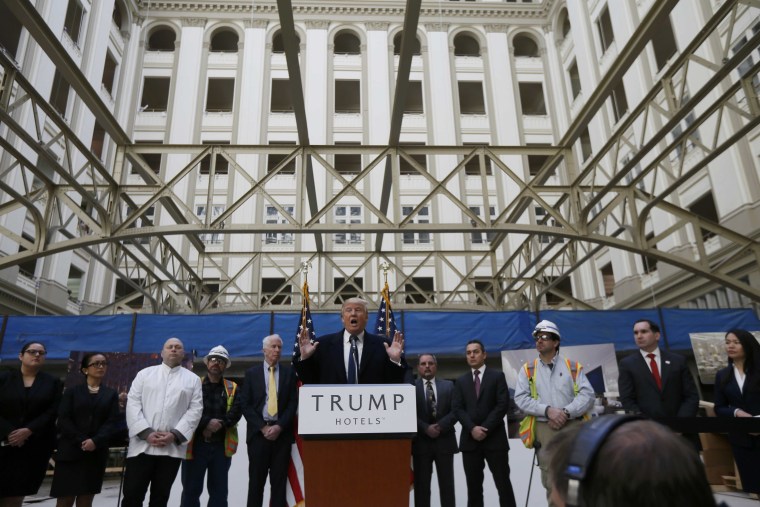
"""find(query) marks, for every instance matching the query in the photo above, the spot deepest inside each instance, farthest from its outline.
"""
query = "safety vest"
(231, 435)
(530, 372)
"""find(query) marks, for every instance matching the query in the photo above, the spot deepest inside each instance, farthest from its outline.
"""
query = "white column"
(316, 80)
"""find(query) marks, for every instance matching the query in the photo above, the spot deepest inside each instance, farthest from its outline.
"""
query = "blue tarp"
(426, 331)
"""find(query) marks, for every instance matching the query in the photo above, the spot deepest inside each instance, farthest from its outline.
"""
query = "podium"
(357, 443)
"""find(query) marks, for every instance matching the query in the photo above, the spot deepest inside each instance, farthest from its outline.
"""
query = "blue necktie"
(353, 361)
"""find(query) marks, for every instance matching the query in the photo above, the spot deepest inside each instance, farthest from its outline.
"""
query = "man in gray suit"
(436, 440)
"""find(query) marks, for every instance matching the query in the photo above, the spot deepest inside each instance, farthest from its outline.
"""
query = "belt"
(270, 423)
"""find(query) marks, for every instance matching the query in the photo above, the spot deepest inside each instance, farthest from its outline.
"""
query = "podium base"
(357, 472)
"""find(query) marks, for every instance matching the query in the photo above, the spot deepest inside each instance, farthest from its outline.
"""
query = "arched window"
(525, 46)
(116, 15)
(161, 38)
(224, 41)
(466, 45)
(564, 23)
(347, 43)
(416, 48)
(278, 45)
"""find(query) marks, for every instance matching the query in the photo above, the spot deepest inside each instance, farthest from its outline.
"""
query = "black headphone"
(590, 438)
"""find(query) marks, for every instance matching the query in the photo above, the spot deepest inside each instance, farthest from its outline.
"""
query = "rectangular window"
(405, 167)
(608, 279)
(222, 164)
(59, 94)
(472, 168)
(556, 296)
(414, 103)
(348, 163)
(155, 95)
(281, 101)
(536, 162)
(471, 100)
(420, 290)
(532, 99)
(423, 217)
(273, 217)
(125, 291)
(273, 160)
(348, 215)
(663, 42)
(704, 207)
(221, 92)
(347, 96)
(575, 79)
(74, 283)
(585, 142)
(274, 291)
(650, 263)
(604, 26)
(153, 160)
(479, 237)
(109, 73)
(619, 101)
(27, 268)
(213, 238)
(351, 290)
(98, 140)
(72, 24)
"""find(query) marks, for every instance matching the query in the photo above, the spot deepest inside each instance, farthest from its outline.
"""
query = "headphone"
(587, 443)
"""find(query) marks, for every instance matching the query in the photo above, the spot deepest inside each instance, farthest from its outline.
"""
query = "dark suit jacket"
(639, 393)
(728, 398)
(488, 410)
(327, 366)
(254, 396)
(447, 440)
(82, 416)
(36, 412)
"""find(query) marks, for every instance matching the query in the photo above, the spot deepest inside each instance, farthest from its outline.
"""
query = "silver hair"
(269, 338)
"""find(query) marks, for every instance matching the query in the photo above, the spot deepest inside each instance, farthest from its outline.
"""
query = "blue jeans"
(205, 457)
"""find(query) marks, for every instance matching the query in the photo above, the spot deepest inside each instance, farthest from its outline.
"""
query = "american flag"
(385, 325)
(295, 494)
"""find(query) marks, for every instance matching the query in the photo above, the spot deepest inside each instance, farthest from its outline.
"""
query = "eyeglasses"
(98, 364)
(216, 360)
(35, 352)
(543, 337)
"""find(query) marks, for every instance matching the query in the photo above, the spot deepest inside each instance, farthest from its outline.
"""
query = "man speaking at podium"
(351, 356)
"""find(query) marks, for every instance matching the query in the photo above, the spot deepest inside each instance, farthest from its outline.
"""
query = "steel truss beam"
(140, 225)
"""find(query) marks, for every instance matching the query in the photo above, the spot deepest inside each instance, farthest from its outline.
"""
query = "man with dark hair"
(436, 440)
(481, 398)
(552, 388)
(639, 463)
(655, 382)
(351, 356)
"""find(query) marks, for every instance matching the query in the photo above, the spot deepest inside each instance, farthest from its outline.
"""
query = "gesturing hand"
(396, 348)
(306, 345)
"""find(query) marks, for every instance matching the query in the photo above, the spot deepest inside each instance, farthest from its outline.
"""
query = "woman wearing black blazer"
(87, 420)
(737, 394)
(29, 401)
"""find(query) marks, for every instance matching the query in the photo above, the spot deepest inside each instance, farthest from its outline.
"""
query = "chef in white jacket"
(164, 407)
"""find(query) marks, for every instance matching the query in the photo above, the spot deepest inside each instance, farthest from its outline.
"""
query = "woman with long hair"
(87, 420)
(737, 394)
(29, 401)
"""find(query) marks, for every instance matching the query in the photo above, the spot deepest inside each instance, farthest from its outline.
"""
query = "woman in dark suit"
(87, 420)
(737, 394)
(29, 401)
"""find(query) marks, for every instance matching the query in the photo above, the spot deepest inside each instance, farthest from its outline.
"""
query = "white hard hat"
(218, 351)
(546, 326)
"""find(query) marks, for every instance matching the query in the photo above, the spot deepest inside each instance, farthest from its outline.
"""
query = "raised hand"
(306, 345)
(396, 348)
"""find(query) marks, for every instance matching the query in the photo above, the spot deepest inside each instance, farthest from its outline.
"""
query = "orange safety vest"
(231, 435)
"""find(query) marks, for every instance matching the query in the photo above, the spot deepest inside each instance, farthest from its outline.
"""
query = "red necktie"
(477, 383)
(655, 371)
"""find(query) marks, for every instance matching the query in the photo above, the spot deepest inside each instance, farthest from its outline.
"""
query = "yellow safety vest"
(231, 435)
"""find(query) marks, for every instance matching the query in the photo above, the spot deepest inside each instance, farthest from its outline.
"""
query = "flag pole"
(385, 293)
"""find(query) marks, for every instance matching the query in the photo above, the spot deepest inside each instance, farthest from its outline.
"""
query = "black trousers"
(474, 463)
(423, 473)
(143, 470)
(266, 457)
